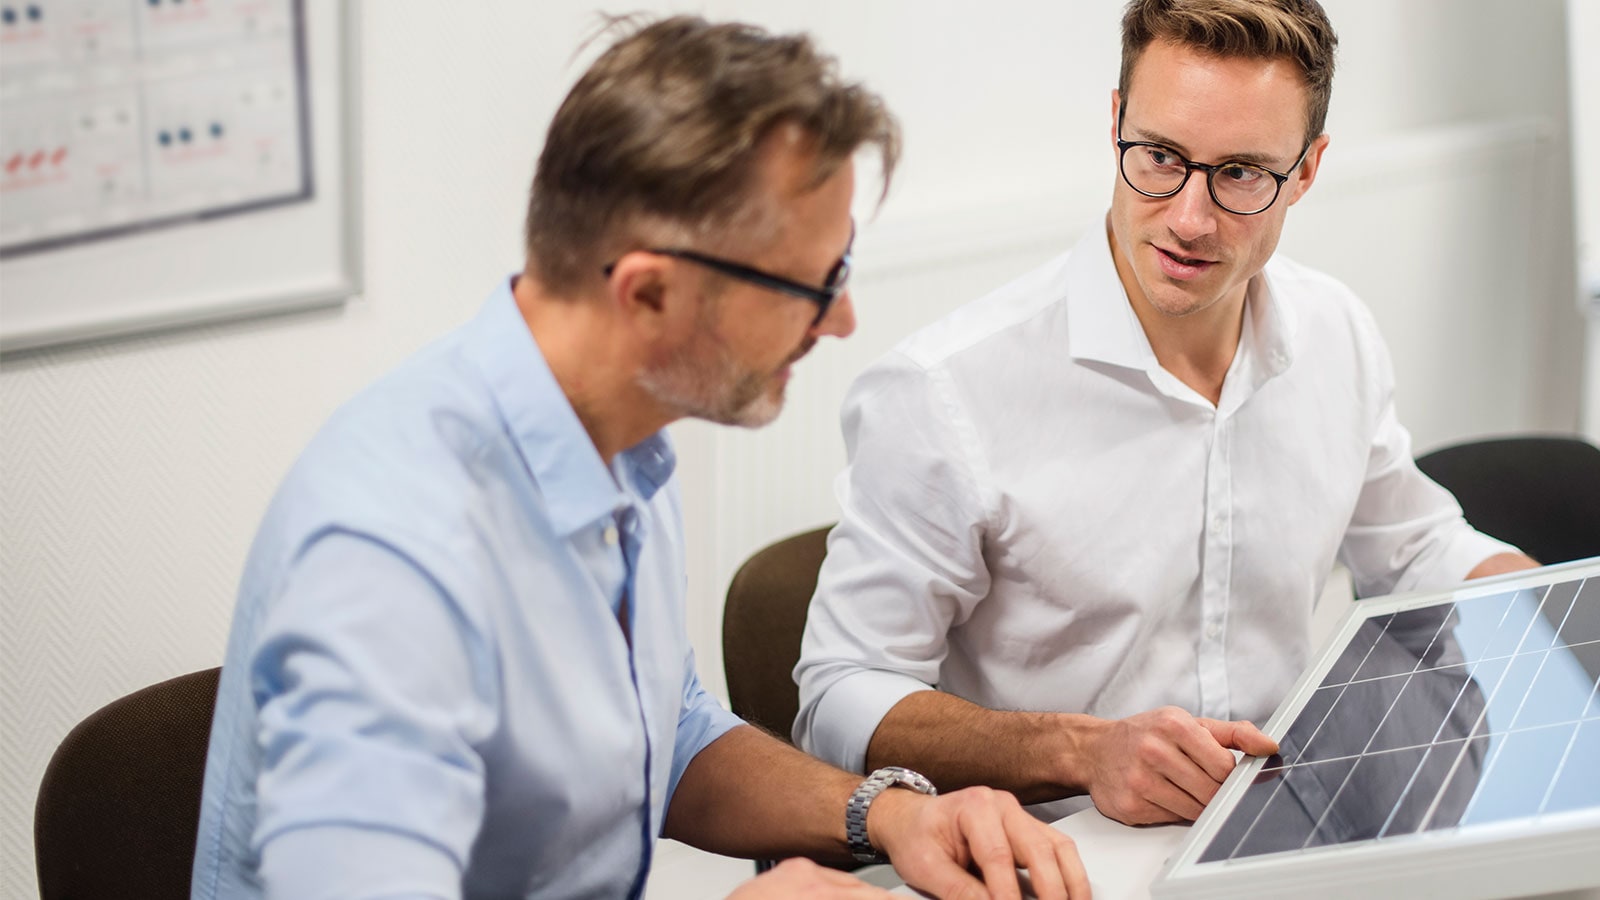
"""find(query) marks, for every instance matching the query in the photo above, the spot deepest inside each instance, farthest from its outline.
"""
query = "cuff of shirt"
(696, 732)
(341, 862)
(1459, 558)
(848, 713)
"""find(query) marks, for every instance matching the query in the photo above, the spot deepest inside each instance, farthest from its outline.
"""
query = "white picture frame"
(273, 258)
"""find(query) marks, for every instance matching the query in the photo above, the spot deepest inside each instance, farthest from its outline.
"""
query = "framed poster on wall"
(166, 162)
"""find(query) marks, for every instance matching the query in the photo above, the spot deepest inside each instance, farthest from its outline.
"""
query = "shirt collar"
(1103, 327)
(578, 489)
(1273, 325)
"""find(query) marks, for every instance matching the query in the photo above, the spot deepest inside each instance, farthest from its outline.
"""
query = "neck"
(588, 354)
(1197, 348)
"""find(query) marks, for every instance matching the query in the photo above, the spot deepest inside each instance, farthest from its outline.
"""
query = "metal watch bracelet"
(855, 811)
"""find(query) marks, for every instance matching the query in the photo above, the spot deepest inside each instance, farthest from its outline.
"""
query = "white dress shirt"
(1037, 516)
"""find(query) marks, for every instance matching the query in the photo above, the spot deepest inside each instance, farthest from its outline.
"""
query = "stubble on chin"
(710, 385)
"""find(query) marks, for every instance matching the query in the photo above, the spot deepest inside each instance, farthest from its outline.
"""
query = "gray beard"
(706, 383)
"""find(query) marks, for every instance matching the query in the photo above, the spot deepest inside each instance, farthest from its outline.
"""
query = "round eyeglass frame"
(1189, 167)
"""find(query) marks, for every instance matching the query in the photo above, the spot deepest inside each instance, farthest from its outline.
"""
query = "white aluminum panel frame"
(1500, 859)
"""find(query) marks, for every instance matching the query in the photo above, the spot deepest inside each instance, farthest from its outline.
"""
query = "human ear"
(1301, 180)
(650, 295)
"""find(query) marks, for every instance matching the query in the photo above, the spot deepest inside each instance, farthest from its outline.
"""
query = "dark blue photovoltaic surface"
(1445, 716)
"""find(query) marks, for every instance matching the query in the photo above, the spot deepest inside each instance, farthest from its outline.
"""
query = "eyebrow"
(1265, 160)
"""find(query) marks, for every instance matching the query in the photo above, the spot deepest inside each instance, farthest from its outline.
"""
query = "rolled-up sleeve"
(701, 721)
(372, 692)
(904, 564)
(1406, 532)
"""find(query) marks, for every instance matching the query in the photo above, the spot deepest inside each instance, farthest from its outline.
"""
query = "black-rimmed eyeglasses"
(1156, 170)
(832, 286)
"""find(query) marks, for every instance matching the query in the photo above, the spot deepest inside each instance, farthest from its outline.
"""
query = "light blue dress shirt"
(427, 692)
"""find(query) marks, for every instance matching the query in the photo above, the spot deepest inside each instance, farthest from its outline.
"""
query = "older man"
(458, 665)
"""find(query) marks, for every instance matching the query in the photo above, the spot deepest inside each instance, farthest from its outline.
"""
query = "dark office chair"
(762, 623)
(761, 627)
(1539, 493)
(120, 802)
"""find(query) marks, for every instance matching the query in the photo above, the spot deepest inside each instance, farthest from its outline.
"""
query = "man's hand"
(800, 877)
(935, 841)
(1164, 765)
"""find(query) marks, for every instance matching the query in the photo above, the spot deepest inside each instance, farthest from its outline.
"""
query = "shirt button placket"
(1216, 568)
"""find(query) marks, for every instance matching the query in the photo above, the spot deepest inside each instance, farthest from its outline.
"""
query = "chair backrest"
(1540, 493)
(761, 627)
(120, 802)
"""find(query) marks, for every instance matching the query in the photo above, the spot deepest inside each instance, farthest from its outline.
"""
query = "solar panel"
(1442, 744)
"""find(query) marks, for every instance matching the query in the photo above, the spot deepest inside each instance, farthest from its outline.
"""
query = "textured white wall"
(1583, 60)
(132, 474)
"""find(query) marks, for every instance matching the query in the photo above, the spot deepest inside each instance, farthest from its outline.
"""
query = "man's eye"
(1243, 176)
(1164, 158)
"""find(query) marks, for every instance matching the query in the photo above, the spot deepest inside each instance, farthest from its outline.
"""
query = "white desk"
(1123, 860)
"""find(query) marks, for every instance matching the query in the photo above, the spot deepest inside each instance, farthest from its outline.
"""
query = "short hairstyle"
(1255, 29)
(663, 132)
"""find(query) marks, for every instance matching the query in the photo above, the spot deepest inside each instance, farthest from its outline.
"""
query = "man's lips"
(1185, 260)
(1175, 265)
(788, 367)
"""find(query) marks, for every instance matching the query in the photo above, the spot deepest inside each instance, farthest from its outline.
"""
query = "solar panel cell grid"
(1447, 716)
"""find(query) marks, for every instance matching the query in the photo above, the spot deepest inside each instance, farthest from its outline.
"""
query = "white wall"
(1583, 61)
(132, 474)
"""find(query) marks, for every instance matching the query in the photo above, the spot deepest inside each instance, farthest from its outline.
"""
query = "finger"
(1176, 801)
(1240, 736)
(1189, 783)
(1167, 764)
(1072, 870)
(1033, 845)
(1199, 743)
(946, 879)
(990, 847)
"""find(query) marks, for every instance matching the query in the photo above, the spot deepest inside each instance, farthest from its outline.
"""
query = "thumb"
(1241, 736)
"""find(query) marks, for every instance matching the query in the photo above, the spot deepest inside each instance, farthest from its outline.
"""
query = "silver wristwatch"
(855, 812)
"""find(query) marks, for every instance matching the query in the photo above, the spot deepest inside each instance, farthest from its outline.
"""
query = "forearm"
(750, 794)
(1036, 756)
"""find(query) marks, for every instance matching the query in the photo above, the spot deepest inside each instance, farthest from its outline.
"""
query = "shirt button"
(1214, 630)
(611, 535)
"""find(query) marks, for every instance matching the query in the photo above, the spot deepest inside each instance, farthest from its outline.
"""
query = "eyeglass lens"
(1238, 187)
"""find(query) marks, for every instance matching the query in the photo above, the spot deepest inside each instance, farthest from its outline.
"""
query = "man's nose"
(841, 318)
(1191, 213)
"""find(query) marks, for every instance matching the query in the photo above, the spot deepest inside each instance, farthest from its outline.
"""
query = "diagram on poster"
(117, 116)
(169, 163)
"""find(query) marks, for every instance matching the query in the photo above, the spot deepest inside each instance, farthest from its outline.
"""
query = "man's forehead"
(1252, 109)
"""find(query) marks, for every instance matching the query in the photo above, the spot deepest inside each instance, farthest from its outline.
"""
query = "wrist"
(1076, 761)
(878, 807)
(889, 815)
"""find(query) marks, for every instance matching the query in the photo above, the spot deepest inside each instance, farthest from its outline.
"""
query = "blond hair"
(1254, 29)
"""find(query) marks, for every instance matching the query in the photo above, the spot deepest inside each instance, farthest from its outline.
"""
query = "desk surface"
(1124, 860)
